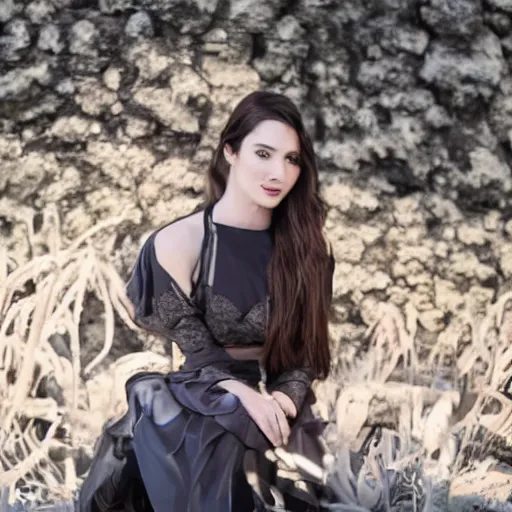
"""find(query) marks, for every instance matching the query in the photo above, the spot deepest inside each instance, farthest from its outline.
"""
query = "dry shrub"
(410, 420)
(470, 363)
(40, 299)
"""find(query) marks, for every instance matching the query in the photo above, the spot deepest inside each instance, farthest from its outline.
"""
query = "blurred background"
(109, 114)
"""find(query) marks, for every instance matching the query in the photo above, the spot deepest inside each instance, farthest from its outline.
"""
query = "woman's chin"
(269, 202)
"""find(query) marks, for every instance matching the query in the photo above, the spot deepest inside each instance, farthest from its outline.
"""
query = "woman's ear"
(229, 154)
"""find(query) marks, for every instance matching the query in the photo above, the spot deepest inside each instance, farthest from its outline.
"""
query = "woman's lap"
(191, 464)
(195, 461)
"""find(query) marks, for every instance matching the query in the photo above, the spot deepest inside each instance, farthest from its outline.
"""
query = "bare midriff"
(249, 352)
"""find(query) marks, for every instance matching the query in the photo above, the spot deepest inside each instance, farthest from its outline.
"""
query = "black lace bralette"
(233, 285)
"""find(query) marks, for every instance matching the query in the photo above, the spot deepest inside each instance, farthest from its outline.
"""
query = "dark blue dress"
(211, 455)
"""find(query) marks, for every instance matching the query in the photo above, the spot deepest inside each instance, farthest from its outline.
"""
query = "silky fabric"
(196, 461)
(211, 455)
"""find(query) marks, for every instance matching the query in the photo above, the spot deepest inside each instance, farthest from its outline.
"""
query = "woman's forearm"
(233, 386)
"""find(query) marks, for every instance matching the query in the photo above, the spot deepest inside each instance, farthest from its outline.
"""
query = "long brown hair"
(298, 277)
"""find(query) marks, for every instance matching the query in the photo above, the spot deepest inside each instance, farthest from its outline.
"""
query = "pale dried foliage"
(412, 394)
(470, 362)
(41, 299)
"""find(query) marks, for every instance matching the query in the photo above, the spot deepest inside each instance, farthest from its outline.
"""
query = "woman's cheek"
(260, 173)
(293, 176)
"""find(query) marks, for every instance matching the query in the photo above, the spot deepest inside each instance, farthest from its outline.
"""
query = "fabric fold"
(197, 459)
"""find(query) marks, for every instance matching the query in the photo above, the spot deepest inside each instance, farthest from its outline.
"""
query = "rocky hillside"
(110, 110)
(114, 110)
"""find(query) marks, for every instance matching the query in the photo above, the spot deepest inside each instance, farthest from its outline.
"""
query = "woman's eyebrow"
(270, 148)
(266, 146)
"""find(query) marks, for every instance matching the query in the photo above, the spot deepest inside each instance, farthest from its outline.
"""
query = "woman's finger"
(265, 413)
(266, 421)
(282, 422)
(279, 423)
(273, 426)
(265, 425)
(286, 403)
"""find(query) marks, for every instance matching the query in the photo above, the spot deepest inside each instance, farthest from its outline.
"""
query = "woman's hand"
(264, 410)
(286, 403)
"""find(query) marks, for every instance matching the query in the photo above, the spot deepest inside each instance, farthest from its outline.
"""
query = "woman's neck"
(239, 211)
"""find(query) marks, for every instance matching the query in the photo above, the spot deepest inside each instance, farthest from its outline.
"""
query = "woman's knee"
(165, 407)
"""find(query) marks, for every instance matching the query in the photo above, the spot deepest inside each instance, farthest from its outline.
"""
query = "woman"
(243, 287)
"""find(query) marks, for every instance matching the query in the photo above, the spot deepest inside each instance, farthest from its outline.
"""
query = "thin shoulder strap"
(207, 257)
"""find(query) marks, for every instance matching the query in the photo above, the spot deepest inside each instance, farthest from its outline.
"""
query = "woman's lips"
(271, 191)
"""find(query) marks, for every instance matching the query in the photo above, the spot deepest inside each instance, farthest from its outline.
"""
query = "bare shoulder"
(178, 247)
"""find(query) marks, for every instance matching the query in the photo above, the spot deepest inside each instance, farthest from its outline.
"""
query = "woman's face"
(267, 165)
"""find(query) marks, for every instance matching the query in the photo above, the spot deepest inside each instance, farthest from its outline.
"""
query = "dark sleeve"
(296, 383)
(161, 307)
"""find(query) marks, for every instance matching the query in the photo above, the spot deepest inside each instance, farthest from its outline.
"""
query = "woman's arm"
(159, 289)
(294, 384)
(265, 410)
(160, 307)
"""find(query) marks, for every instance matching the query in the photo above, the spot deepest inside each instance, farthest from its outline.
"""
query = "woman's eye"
(294, 160)
(262, 153)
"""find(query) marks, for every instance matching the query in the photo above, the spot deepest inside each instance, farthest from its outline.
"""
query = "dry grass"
(427, 419)
(417, 418)
(40, 299)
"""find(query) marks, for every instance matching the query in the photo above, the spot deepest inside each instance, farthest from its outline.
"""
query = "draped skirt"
(210, 456)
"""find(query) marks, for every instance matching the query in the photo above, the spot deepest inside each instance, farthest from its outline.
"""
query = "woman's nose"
(278, 171)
